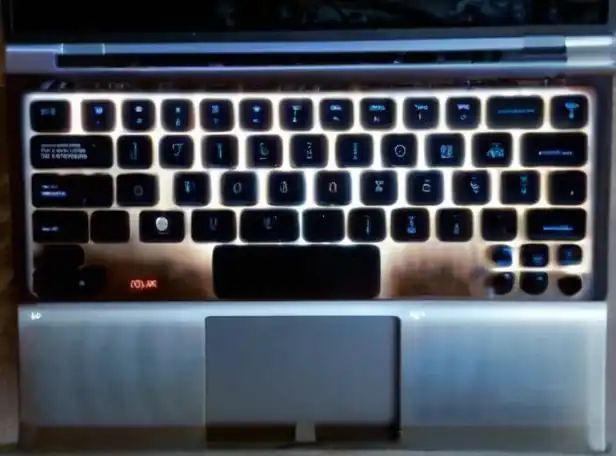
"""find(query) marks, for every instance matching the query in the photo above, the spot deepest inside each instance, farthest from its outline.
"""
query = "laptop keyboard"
(277, 192)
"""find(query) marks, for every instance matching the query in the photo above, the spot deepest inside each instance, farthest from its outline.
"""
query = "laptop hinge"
(595, 50)
(83, 49)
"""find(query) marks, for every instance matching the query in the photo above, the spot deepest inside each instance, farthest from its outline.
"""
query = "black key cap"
(354, 151)
(501, 284)
(534, 283)
(399, 150)
(63, 257)
(515, 112)
(569, 111)
(48, 152)
(421, 113)
(161, 226)
(216, 115)
(492, 149)
(569, 255)
(316, 272)
(264, 151)
(556, 224)
(308, 151)
(72, 190)
(91, 280)
(239, 189)
(379, 188)
(463, 113)
(176, 152)
(138, 115)
(333, 188)
(135, 152)
(520, 187)
(177, 115)
(471, 187)
(286, 188)
(567, 187)
(499, 224)
(367, 225)
(424, 188)
(534, 255)
(554, 149)
(501, 255)
(50, 284)
(60, 226)
(410, 225)
(213, 226)
(570, 285)
(256, 114)
(377, 114)
(296, 115)
(454, 225)
(445, 150)
(50, 116)
(220, 151)
(191, 189)
(336, 114)
(98, 115)
(323, 225)
(137, 190)
(109, 227)
(269, 225)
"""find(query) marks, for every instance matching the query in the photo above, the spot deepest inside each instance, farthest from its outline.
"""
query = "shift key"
(63, 151)
(60, 226)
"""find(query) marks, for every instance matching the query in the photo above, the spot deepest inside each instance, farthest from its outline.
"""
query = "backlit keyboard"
(306, 195)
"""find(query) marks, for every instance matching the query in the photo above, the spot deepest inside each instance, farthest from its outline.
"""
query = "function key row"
(301, 114)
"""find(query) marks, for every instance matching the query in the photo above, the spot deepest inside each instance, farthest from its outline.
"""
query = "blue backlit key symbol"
(134, 151)
(177, 149)
(456, 229)
(463, 111)
(268, 223)
(256, 111)
(189, 186)
(426, 187)
(368, 225)
(496, 151)
(284, 187)
(263, 151)
(295, 110)
(446, 151)
(572, 107)
(219, 150)
(523, 185)
(378, 186)
(213, 223)
(99, 110)
(355, 151)
(475, 186)
(411, 228)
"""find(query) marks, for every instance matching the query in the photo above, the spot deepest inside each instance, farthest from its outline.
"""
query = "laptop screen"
(75, 20)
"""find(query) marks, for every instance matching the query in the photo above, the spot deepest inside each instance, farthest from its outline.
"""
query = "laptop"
(224, 215)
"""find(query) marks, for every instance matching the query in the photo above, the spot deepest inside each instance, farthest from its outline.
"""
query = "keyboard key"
(264, 151)
(410, 225)
(323, 225)
(213, 226)
(567, 187)
(569, 255)
(501, 256)
(336, 114)
(137, 190)
(177, 115)
(83, 283)
(492, 149)
(308, 151)
(501, 284)
(445, 150)
(271, 272)
(72, 190)
(138, 115)
(534, 255)
(135, 152)
(534, 283)
(379, 188)
(354, 151)
(256, 114)
(570, 285)
(98, 116)
(556, 224)
(220, 151)
(47, 152)
(377, 114)
(91, 280)
(499, 224)
(463, 113)
(269, 225)
(549, 149)
(454, 225)
(421, 113)
(515, 112)
(216, 115)
(191, 189)
(161, 226)
(424, 188)
(333, 188)
(176, 152)
(63, 257)
(399, 150)
(569, 111)
(109, 227)
(50, 116)
(471, 188)
(286, 189)
(520, 187)
(239, 189)
(367, 225)
(296, 115)
(60, 226)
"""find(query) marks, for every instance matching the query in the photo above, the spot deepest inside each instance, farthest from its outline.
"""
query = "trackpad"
(290, 370)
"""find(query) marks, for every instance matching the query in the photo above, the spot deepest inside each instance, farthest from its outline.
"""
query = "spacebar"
(296, 272)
